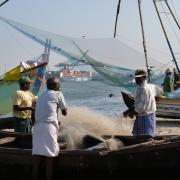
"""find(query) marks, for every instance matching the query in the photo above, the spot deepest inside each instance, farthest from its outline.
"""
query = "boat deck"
(94, 158)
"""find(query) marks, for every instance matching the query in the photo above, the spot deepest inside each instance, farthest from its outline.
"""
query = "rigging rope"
(154, 49)
(20, 44)
(175, 11)
(140, 45)
(162, 67)
(170, 23)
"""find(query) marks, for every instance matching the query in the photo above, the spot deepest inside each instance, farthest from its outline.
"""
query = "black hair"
(141, 72)
(22, 84)
(53, 83)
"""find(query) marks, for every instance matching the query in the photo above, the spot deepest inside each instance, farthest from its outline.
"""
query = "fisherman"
(145, 105)
(46, 127)
(168, 84)
(23, 105)
(176, 79)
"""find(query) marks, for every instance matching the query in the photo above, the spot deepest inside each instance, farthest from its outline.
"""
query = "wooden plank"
(167, 100)
(15, 134)
(147, 146)
(7, 140)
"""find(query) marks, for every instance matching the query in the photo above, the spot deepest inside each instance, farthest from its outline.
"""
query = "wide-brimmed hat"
(25, 79)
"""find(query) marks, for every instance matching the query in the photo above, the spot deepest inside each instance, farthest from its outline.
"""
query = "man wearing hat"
(168, 85)
(23, 101)
(145, 105)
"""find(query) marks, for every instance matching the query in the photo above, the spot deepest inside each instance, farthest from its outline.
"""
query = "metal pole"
(144, 40)
(117, 13)
(170, 48)
(172, 14)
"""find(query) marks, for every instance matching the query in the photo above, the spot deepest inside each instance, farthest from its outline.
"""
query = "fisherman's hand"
(133, 114)
(64, 112)
(129, 113)
(125, 113)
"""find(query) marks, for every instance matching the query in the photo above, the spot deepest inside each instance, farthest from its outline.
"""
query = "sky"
(89, 18)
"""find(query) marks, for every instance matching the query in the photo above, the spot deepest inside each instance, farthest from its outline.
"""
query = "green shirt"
(168, 84)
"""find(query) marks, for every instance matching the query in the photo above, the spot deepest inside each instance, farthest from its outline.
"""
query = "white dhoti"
(45, 139)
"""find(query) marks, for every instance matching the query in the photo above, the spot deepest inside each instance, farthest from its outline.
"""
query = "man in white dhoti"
(45, 131)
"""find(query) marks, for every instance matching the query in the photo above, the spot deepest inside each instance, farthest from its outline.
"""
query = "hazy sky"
(90, 18)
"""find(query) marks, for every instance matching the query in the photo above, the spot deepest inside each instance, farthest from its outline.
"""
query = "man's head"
(168, 71)
(140, 76)
(25, 82)
(53, 83)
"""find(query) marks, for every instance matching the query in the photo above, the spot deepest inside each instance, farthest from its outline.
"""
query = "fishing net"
(111, 58)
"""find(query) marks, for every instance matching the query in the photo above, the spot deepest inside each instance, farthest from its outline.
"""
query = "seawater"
(95, 96)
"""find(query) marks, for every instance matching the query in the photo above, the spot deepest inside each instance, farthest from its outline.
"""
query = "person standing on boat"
(176, 79)
(46, 128)
(23, 105)
(145, 105)
(168, 84)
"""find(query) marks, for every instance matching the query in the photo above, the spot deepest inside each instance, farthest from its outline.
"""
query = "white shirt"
(145, 102)
(47, 106)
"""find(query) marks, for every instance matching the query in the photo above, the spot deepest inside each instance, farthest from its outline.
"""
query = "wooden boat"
(15, 161)
(90, 160)
(9, 81)
(168, 108)
(9, 85)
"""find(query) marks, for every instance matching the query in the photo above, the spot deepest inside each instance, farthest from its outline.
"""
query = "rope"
(175, 11)
(18, 42)
(170, 23)
(139, 44)
(162, 67)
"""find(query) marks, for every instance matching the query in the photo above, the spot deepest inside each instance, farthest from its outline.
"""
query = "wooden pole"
(117, 13)
(3, 3)
(144, 40)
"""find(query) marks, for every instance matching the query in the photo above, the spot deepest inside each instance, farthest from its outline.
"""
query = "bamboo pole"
(3, 3)
(117, 13)
(144, 40)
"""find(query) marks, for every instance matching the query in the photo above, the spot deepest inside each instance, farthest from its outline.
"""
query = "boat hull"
(9, 87)
(169, 108)
(16, 161)
(16, 155)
